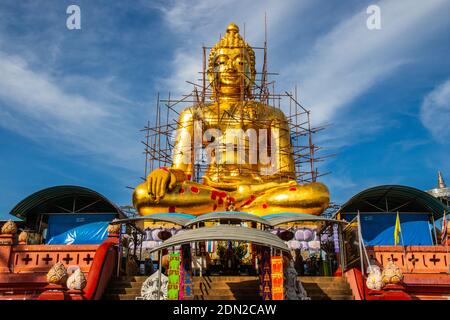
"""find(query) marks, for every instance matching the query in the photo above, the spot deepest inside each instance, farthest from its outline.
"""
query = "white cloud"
(198, 23)
(37, 106)
(344, 63)
(39, 97)
(350, 59)
(435, 112)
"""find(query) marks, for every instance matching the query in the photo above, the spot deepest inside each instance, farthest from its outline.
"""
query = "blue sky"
(72, 102)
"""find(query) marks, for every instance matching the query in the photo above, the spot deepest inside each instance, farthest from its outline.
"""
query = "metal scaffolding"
(159, 131)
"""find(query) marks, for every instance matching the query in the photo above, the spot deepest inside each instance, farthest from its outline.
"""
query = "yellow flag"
(397, 229)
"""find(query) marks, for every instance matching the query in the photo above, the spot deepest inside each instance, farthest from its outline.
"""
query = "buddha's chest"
(236, 118)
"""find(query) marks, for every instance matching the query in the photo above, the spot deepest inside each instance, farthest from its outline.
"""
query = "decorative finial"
(114, 228)
(77, 281)
(23, 236)
(57, 274)
(392, 274)
(232, 28)
(441, 182)
(9, 227)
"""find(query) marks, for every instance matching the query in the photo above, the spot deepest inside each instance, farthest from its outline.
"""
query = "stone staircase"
(205, 288)
(20, 295)
(326, 288)
(233, 288)
(226, 288)
(124, 288)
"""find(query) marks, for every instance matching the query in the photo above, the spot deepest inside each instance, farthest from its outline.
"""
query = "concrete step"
(225, 278)
(332, 297)
(139, 280)
(18, 296)
(213, 291)
(201, 290)
(225, 286)
(125, 285)
(131, 278)
(310, 279)
(325, 286)
(227, 297)
(110, 296)
(318, 291)
(135, 291)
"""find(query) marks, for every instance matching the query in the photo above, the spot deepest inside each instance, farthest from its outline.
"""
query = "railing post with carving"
(7, 235)
(76, 283)
(56, 289)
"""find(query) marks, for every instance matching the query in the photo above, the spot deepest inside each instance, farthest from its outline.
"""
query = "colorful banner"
(173, 272)
(265, 278)
(277, 278)
(210, 246)
(186, 272)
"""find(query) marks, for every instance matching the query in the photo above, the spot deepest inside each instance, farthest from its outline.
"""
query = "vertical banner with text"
(277, 278)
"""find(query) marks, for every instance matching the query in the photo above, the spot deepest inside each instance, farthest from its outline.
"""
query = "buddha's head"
(231, 69)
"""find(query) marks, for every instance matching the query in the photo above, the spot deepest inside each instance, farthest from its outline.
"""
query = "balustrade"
(412, 259)
(40, 258)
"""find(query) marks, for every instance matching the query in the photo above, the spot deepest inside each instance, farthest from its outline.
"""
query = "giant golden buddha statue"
(231, 180)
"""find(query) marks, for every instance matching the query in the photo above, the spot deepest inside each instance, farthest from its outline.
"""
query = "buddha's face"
(231, 70)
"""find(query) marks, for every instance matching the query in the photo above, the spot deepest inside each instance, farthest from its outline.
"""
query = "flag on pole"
(210, 246)
(397, 230)
(444, 234)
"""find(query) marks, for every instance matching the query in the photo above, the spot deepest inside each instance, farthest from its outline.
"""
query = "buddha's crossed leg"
(312, 198)
(194, 198)
(187, 197)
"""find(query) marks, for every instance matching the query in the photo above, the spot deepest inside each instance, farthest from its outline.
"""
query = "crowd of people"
(313, 265)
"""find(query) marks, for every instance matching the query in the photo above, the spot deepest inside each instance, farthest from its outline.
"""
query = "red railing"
(23, 267)
(412, 259)
(101, 270)
(40, 258)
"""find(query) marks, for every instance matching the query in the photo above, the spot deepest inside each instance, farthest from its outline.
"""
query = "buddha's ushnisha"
(258, 187)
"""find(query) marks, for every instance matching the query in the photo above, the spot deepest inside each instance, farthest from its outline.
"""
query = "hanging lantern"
(324, 237)
(155, 233)
(299, 236)
(303, 235)
(314, 245)
(286, 235)
(304, 245)
(294, 245)
(164, 234)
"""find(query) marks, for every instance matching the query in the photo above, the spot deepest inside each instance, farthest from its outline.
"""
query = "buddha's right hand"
(159, 182)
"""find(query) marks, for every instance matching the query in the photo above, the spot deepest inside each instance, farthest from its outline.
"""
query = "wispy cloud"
(86, 93)
(344, 62)
(66, 90)
(197, 23)
(35, 105)
(350, 58)
(435, 112)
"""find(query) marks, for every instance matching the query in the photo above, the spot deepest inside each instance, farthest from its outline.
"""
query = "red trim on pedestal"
(75, 294)
(395, 292)
(6, 242)
(54, 292)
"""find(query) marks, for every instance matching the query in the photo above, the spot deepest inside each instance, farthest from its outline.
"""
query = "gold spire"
(441, 183)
